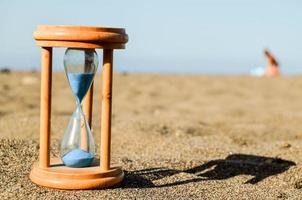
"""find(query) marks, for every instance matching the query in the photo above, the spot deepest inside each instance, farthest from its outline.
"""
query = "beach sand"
(176, 136)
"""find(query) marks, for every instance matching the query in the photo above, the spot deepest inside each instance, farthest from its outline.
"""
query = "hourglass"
(77, 167)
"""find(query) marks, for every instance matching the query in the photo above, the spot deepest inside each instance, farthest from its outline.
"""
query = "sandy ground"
(177, 137)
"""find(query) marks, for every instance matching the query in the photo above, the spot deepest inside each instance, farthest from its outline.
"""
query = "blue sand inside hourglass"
(80, 83)
(78, 158)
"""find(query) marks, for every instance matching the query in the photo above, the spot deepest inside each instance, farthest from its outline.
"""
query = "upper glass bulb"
(80, 67)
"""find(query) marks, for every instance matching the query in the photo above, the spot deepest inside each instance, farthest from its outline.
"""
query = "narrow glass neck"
(79, 110)
(78, 102)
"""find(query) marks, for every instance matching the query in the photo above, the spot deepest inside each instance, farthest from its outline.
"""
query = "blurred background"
(193, 36)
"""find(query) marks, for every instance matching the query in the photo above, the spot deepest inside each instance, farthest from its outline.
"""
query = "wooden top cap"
(81, 37)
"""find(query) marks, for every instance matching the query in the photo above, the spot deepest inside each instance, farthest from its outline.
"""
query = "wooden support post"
(106, 109)
(87, 108)
(87, 105)
(45, 116)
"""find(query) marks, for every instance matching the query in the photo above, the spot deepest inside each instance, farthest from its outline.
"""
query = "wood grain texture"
(61, 177)
(62, 28)
(87, 45)
(106, 109)
(88, 104)
(81, 37)
(46, 80)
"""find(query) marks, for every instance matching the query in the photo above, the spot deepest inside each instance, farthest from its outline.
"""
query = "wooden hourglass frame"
(51, 172)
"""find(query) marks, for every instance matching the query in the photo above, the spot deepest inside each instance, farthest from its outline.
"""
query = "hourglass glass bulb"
(77, 146)
(80, 66)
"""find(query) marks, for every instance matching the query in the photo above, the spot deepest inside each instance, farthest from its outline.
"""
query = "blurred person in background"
(272, 68)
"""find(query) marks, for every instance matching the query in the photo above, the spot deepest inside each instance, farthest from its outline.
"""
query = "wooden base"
(61, 177)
